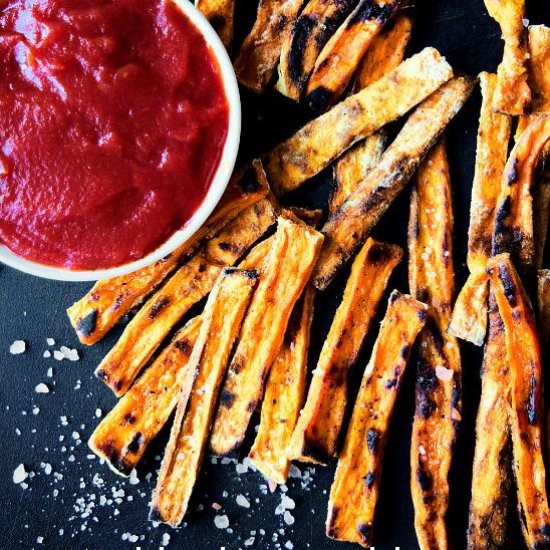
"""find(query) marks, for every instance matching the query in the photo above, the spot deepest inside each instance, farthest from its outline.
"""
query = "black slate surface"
(48, 514)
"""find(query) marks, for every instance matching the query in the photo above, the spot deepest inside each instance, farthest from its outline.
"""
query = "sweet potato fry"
(285, 272)
(284, 394)
(220, 14)
(469, 320)
(314, 26)
(543, 302)
(492, 470)
(526, 410)
(341, 55)
(386, 51)
(192, 282)
(512, 94)
(354, 492)
(384, 54)
(222, 318)
(316, 434)
(438, 376)
(261, 49)
(513, 227)
(123, 435)
(324, 139)
(353, 167)
(348, 227)
(110, 299)
(541, 215)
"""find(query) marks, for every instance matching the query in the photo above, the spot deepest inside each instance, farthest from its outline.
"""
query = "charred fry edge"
(316, 433)
(123, 435)
(222, 317)
(354, 492)
(526, 409)
(285, 272)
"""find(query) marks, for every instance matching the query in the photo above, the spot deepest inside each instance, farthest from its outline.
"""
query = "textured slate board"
(33, 309)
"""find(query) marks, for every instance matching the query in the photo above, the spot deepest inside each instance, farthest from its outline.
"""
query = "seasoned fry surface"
(220, 14)
(188, 285)
(354, 492)
(285, 273)
(469, 320)
(314, 26)
(324, 139)
(526, 411)
(123, 435)
(261, 49)
(316, 434)
(438, 377)
(284, 394)
(348, 227)
(222, 318)
(338, 60)
(110, 299)
(512, 94)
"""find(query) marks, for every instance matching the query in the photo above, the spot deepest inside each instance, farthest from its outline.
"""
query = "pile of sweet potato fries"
(258, 265)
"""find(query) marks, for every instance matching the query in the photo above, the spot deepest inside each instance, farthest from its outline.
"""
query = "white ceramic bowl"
(219, 182)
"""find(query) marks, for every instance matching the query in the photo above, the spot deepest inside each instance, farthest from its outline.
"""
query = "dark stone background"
(33, 309)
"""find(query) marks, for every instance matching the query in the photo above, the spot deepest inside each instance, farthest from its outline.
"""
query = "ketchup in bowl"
(113, 120)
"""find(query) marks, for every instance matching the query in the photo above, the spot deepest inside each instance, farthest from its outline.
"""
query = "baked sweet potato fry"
(220, 14)
(316, 434)
(354, 492)
(285, 272)
(192, 282)
(492, 470)
(123, 435)
(340, 57)
(526, 409)
(314, 26)
(222, 318)
(512, 94)
(513, 227)
(348, 227)
(110, 299)
(438, 375)
(324, 139)
(284, 394)
(469, 320)
(261, 50)
(384, 54)
(386, 51)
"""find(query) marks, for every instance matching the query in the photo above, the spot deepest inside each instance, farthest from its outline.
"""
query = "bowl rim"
(217, 187)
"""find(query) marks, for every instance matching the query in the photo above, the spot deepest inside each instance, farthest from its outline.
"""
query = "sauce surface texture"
(113, 119)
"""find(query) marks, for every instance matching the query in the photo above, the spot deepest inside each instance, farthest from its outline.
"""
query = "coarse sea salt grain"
(18, 347)
(443, 373)
(288, 518)
(41, 388)
(46, 354)
(58, 355)
(70, 354)
(20, 474)
(50, 341)
(221, 522)
(242, 501)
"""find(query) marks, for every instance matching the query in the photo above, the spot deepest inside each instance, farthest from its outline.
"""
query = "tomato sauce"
(113, 118)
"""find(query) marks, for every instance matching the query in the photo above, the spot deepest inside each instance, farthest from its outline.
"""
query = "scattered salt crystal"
(443, 373)
(221, 522)
(216, 506)
(20, 474)
(35, 410)
(18, 347)
(98, 413)
(241, 468)
(76, 435)
(288, 518)
(46, 354)
(225, 494)
(63, 420)
(58, 355)
(525, 22)
(242, 501)
(289, 545)
(47, 469)
(70, 354)
(49, 373)
(42, 388)
(50, 341)
(249, 541)
(294, 472)
(134, 480)
(165, 539)
(288, 503)
(272, 486)
(39, 540)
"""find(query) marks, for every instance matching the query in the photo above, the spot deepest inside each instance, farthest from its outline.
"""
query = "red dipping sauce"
(113, 118)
